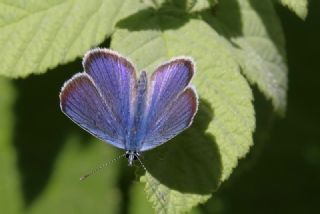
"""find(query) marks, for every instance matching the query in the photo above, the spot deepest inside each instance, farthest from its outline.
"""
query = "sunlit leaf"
(193, 165)
(37, 35)
(299, 7)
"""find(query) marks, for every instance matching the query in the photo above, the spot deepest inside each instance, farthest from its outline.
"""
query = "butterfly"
(132, 113)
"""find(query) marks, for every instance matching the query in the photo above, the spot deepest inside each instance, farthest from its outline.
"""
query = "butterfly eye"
(127, 155)
(135, 157)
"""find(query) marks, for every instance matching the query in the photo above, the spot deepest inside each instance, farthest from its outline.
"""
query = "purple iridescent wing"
(171, 102)
(82, 102)
(115, 76)
(174, 120)
(100, 99)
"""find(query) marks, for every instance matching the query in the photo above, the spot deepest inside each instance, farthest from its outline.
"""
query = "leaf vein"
(43, 55)
(32, 14)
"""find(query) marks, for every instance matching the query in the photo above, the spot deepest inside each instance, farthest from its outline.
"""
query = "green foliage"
(9, 180)
(300, 7)
(234, 44)
(38, 35)
(73, 160)
(221, 87)
(258, 45)
(169, 200)
(139, 203)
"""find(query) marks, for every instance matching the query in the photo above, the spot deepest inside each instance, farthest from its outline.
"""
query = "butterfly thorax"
(137, 129)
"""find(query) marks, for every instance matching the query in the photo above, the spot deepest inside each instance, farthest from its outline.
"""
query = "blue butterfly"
(134, 114)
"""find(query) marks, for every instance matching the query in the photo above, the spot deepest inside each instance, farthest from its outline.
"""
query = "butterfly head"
(131, 155)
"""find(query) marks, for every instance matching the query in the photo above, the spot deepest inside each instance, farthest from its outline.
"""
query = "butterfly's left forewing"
(115, 77)
(101, 99)
(81, 101)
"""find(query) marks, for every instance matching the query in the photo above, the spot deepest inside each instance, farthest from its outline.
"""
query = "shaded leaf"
(257, 45)
(52, 153)
(67, 194)
(138, 201)
(11, 197)
(223, 128)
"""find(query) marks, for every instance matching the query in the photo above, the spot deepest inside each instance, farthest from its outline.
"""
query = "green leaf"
(299, 7)
(257, 45)
(11, 197)
(191, 166)
(38, 35)
(200, 5)
(168, 200)
(194, 5)
(187, 5)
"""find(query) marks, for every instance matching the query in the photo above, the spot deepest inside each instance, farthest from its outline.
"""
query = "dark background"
(281, 174)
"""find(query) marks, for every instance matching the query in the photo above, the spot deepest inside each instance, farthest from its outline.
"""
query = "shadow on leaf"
(189, 163)
(270, 19)
(165, 16)
(225, 18)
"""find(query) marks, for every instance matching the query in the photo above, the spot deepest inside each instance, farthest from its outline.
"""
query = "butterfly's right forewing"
(174, 120)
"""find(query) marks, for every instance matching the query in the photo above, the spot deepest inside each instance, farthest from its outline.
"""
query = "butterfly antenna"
(159, 195)
(101, 167)
(143, 166)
